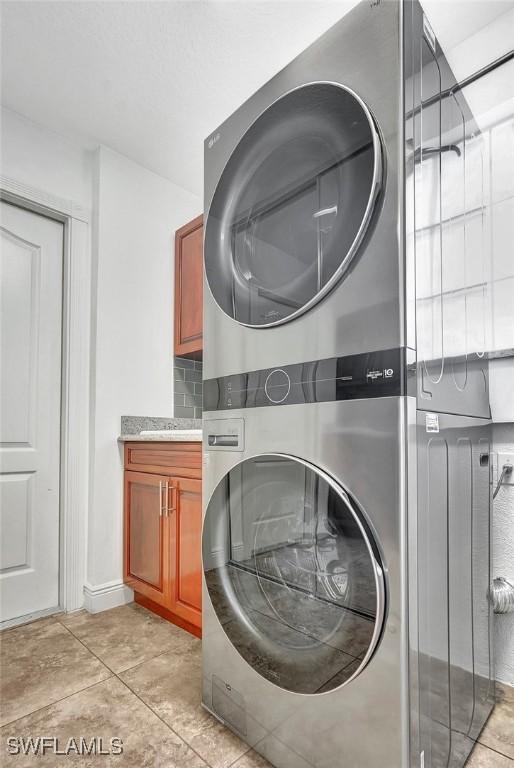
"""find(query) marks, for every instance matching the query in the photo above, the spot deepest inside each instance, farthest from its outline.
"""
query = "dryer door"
(292, 205)
(293, 573)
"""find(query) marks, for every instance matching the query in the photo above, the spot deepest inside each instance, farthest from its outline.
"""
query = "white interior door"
(31, 264)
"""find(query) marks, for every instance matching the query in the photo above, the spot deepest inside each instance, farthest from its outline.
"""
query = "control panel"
(371, 374)
(277, 386)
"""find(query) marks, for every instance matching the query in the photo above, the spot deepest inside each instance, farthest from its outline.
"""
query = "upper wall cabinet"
(189, 289)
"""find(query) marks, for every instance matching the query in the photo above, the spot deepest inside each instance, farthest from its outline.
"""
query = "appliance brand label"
(387, 373)
(432, 422)
(212, 141)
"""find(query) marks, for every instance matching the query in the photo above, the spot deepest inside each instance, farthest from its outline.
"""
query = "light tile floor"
(127, 673)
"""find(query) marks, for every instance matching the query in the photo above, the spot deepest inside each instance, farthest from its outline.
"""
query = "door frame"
(75, 385)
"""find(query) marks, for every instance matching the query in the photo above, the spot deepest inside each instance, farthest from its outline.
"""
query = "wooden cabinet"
(147, 537)
(189, 289)
(185, 549)
(163, 529)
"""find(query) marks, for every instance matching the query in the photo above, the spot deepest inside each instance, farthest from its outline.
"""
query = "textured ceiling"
(152, 79)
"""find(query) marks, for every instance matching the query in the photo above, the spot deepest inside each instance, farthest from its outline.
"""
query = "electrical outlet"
(505, 458)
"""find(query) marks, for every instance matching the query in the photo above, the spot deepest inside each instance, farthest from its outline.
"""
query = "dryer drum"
(292, 205)
(293, 573)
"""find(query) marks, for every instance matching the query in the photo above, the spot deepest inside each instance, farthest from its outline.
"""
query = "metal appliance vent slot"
(229, 705)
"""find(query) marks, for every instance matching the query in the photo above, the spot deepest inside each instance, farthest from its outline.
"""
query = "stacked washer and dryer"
(346, 540)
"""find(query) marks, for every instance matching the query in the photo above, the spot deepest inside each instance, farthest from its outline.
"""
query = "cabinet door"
(185, 517)
(146, 567)
(189, 288)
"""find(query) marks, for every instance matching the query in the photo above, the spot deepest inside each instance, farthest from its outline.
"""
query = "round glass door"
(292, 205)
(293, 573)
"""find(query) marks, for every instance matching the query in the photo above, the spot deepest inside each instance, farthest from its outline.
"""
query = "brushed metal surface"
(359, 443)
(363, 311)
(454, 681)
(379, 450)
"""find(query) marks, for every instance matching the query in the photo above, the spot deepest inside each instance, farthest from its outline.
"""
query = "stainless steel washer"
(302, 627)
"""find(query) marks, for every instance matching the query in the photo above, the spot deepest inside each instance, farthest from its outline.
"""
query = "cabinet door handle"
(173, 504)
(161, 510)
(163, 499)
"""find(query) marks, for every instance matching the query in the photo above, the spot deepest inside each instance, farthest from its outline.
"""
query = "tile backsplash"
(187, 392)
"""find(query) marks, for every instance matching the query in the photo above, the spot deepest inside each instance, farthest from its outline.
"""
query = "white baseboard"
(105, 596)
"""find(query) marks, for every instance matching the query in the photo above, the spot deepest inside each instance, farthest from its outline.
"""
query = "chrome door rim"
(376, 186)
(378, 570)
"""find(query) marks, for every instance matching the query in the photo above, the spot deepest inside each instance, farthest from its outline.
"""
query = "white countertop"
(164, 436)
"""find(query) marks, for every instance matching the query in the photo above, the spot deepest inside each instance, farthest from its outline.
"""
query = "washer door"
(292, 205)
(293, 573)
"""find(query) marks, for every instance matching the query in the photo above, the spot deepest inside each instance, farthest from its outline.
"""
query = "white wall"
(45, 166)
(503, 556)
(136, 215)
(39, 158)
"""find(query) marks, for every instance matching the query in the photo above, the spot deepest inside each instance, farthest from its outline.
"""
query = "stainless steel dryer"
(346, 539)
(301, 196)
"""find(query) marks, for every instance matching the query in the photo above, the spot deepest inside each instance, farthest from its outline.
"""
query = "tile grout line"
(125, 685)
(246, 752)
(111, 675)
(57, 701)
(127, 669)
(140, 663)
(166, 724)
(88, 649)
(492, 749)
(79, 690)
(481, 743)
(70, 630)
(477, 741)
